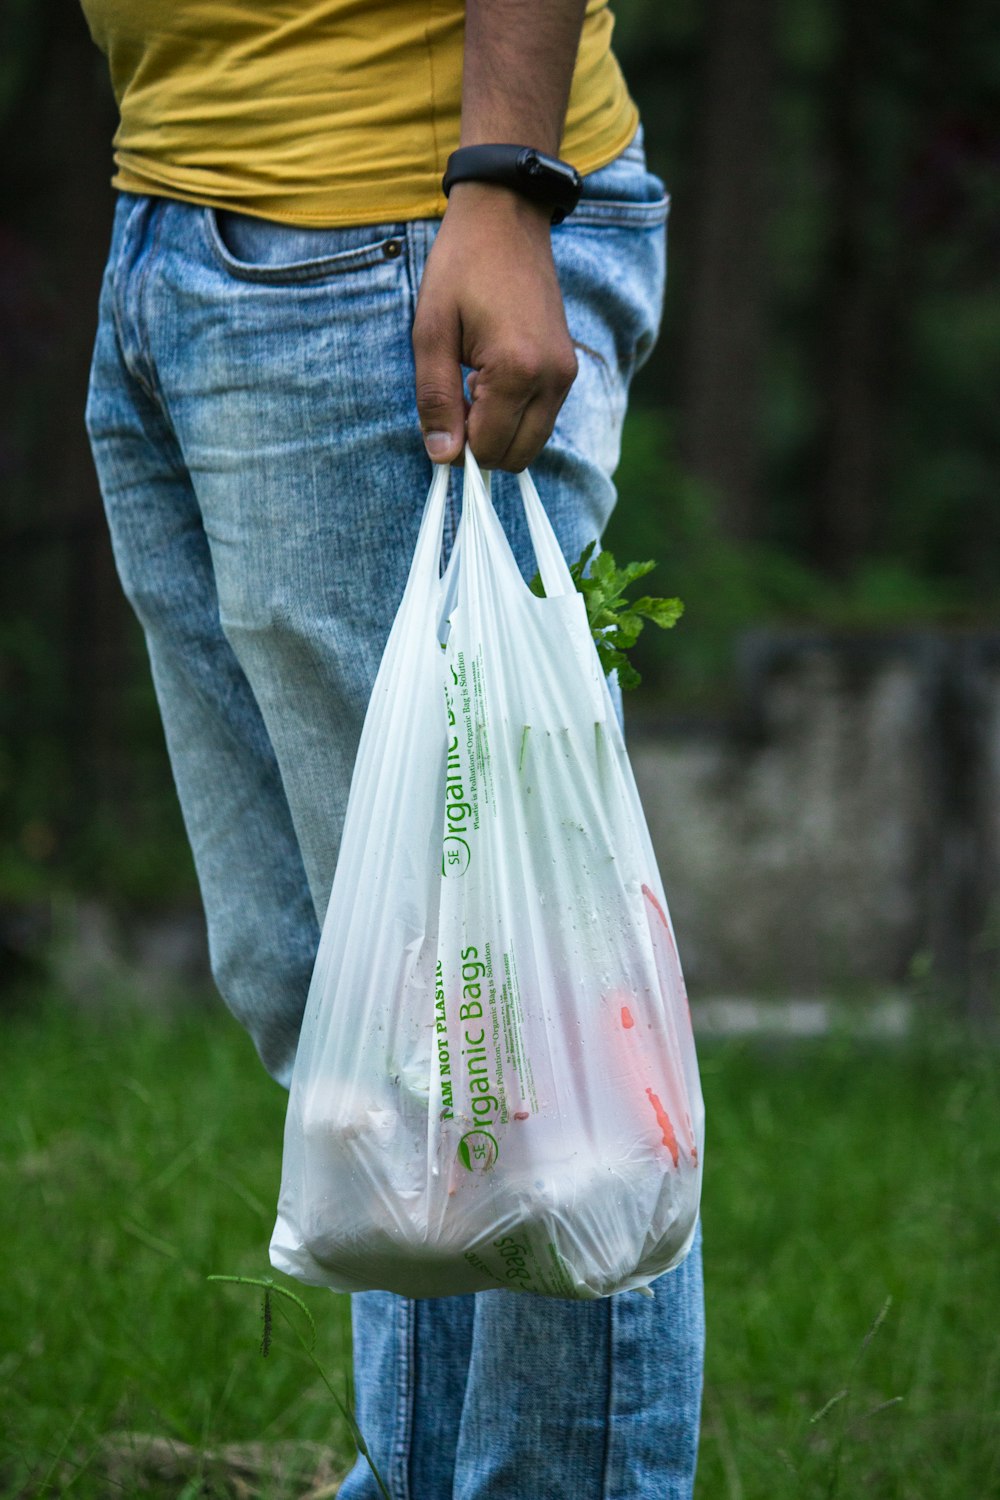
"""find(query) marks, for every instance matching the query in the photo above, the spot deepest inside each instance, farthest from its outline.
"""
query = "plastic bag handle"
(423, 579)
(556, 578)
(555, 574)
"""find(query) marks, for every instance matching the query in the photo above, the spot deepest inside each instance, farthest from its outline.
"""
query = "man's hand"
(490, 299)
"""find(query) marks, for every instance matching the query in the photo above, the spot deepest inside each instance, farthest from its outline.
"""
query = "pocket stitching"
(364, 257)
(604, 211)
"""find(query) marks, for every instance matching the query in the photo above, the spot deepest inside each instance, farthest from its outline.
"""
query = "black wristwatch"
(543, 179)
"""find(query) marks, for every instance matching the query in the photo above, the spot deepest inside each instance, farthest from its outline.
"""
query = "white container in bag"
(496, 1082)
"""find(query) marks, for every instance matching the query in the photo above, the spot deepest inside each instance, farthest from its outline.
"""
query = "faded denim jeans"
(252, 417)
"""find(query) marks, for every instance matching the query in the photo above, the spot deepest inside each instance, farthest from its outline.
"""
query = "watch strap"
(523, 169)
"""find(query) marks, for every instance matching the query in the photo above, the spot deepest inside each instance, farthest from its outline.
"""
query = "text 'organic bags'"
(496, 1083)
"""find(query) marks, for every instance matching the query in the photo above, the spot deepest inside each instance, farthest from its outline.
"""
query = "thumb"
(440, 397)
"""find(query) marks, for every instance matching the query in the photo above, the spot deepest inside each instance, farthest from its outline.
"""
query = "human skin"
(490, 296)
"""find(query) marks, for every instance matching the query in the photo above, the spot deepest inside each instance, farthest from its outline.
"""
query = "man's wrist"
(501, 203)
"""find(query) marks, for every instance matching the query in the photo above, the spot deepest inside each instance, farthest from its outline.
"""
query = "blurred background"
(812, 456)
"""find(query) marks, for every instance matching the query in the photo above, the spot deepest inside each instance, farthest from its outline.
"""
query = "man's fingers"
(533, 432)
(515, 409)
(493, 422)
(440, 398)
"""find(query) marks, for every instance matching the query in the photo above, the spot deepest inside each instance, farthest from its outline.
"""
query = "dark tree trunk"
(727, 277)
(856, 324)
(55, 181)
(903, 59)
(76, 137)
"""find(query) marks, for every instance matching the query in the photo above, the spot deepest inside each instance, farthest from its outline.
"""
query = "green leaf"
(662, 612)
(604, 569)
(633, 571)
(577, 569)
(615, 622)
(609, 658)
(628, 677)
(627, 631)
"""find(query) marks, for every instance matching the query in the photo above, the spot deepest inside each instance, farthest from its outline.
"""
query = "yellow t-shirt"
(316, 112)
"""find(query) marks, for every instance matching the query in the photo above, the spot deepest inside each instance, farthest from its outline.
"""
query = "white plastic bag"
(496, 1082)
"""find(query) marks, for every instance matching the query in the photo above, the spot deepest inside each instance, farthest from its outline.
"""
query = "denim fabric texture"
(252, 419)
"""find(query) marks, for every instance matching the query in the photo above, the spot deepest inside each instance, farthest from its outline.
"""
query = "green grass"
(849, 1185)
(845, 1184)
(139, 1156)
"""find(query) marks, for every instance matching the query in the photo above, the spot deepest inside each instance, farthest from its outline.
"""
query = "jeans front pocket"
(623, 194)
(624, 213)
(262, 250)
(611, 258)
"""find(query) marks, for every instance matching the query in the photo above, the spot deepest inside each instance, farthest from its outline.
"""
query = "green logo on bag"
(456, 856)
(478, 1150)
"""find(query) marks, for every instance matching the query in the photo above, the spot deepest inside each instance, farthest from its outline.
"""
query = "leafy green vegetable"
(616, 622)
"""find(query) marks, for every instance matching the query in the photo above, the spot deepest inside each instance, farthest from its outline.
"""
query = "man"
(288, 293)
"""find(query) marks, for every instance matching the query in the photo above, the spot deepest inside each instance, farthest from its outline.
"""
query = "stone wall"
(843, 828)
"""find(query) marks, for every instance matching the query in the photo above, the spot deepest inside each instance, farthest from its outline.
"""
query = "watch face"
(541, 168)
(552, 177)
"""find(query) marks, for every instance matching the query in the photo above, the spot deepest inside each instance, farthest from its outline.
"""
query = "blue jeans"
(252, 418)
